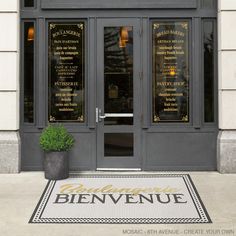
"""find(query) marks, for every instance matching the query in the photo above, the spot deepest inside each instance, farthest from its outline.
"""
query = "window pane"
(29, 3)
(208, 33)
(119, 144)
(118, 73)
(29, 72)
(170, 71)
(66, 72)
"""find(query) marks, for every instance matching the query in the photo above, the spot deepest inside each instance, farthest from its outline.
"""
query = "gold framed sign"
(66, 72)
(170, 70)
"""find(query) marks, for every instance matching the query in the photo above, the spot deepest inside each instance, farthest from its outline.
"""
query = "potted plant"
(56, 142)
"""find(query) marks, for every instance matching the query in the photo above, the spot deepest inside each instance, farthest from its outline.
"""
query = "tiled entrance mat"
(121, 199)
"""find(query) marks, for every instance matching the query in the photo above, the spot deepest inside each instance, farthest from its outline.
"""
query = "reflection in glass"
(117, 144)
(170, 71)
(66, 72)
(28, 3)
(28, 72)
(118, 73)
(208, 33)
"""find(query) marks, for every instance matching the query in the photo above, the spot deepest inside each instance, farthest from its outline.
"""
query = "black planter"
(56, 165)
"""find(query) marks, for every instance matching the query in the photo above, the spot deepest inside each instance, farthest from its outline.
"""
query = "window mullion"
(41, 75)
(196, 73)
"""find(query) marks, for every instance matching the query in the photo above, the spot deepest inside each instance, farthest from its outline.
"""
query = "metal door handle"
(99, 115)
(115, 115)
(102, 117)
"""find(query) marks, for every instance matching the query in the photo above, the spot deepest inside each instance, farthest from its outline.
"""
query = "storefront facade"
(136, 83)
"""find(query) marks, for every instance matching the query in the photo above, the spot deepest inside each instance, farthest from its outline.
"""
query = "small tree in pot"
(56, 142)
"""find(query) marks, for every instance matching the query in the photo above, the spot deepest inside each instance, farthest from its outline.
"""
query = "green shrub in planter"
(56, 138)
(56, 142)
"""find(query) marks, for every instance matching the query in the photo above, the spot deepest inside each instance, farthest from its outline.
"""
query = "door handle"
(102, 117)
(99, 116)
(115, 115)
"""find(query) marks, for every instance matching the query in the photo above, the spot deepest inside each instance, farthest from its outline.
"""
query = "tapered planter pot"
(56, 165)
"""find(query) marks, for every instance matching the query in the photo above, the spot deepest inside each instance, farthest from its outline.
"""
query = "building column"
(9, 87)
(226, 153)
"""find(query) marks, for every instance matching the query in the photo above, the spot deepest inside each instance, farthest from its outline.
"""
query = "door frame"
(121, 162)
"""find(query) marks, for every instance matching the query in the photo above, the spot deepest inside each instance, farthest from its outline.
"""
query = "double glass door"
(118, 112)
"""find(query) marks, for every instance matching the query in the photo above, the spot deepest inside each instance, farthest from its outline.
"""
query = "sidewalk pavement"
(20, 193)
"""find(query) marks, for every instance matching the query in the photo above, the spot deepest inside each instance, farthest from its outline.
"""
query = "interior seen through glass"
(118, 144)
(118, 74)
(29, 3)
(208, 71)
(28, 72)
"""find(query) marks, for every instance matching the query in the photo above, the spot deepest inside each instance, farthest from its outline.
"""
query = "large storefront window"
(66, 72)
(170, 71)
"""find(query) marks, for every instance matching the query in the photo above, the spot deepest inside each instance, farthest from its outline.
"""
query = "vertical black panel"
(208, 44)
(29, 40)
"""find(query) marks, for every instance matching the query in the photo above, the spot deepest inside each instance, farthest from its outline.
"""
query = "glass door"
(118, 92)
